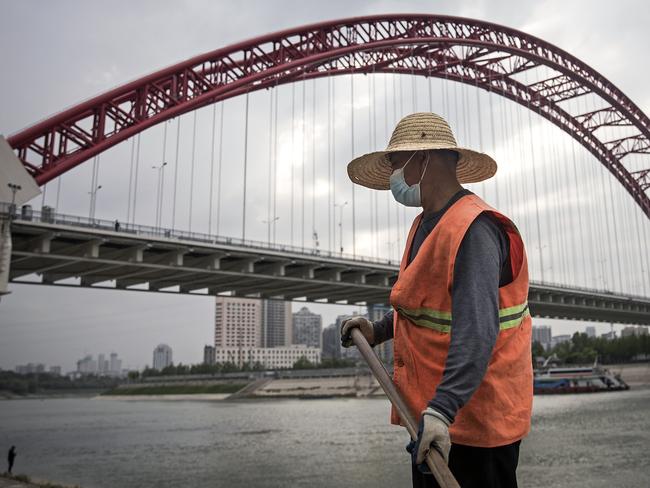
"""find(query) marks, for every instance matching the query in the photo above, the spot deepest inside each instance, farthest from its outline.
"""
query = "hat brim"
(373, 170)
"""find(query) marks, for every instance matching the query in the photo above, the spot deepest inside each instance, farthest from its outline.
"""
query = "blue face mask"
(402, 192)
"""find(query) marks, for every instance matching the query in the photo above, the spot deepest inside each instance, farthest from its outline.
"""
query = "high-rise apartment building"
(208, 354)
(385, 349)
(115, 365)
(237, 322)
(543, 335)
(331, 342)
(162, 357)
(307, 328)
(276, 323)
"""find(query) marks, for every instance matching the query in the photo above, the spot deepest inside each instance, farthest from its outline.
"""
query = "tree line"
(230, 367)
(32, 383)
(584, 349)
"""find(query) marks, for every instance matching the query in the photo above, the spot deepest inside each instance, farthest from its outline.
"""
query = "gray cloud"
(61, 53)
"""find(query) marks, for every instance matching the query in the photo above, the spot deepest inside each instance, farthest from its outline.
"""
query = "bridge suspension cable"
(178, 143)
(213, 134)
(528, 156)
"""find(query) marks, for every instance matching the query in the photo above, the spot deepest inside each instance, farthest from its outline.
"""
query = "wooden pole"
(434, 459)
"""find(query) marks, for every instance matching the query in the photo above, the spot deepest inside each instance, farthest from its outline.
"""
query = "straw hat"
(415, 132)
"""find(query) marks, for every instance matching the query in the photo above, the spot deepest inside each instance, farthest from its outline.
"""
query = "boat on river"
(550, 380)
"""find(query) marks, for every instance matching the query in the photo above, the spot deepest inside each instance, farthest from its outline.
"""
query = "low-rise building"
(270, 357)
(30, 368)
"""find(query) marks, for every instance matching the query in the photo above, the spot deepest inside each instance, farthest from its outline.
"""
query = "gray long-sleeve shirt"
(482, 265)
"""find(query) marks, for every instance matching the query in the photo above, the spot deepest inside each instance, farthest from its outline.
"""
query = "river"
(592, 440)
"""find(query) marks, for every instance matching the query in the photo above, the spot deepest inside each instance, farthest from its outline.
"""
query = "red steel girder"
(643, 177)
(604, 117)
(482, 54)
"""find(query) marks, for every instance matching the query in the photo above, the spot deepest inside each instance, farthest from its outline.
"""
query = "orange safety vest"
(499, 411)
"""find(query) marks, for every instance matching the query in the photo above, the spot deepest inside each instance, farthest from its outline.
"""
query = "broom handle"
(434, 459)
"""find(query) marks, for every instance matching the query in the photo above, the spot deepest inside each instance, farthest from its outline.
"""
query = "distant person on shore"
(11, 456)
(117, 226)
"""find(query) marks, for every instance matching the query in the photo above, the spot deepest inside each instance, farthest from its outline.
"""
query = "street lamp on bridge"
(93, 201)
(159, 190)
(14, 188)
(268, 224)
(341, 205)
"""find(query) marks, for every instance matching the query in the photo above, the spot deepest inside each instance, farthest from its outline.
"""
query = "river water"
(593, 440)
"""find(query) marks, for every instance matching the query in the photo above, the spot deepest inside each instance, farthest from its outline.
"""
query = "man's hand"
(435, 429)
(433, 432)
(364, 325)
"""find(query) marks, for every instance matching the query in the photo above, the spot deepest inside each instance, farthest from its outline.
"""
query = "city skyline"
(137, 356)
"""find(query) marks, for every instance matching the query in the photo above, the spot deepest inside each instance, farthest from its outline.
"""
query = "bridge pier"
(5, 253)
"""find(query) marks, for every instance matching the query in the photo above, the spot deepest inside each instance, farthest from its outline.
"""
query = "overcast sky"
(57, 54)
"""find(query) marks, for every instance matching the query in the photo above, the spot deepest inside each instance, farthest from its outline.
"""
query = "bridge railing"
(48, 216)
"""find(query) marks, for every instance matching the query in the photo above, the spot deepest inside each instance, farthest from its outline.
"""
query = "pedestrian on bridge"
(459, 315)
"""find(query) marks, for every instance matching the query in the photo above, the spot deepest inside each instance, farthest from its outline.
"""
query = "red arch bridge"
(573, 149)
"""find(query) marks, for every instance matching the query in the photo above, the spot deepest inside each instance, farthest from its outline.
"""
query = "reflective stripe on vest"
(441, 321)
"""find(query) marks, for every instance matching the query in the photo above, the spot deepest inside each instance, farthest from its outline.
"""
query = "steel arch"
(482, 54)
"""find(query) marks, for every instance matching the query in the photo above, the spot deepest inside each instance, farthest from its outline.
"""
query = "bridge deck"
(71, 252)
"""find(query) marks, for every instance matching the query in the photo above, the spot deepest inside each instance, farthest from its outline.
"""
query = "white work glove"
(364, 325)
(435, 429)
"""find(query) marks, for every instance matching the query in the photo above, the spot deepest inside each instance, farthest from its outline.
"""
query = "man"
(11, 456)
(459, 322)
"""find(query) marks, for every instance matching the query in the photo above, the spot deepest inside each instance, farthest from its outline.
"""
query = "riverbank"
(302, 385)
(24, 481)
(175, 389)
(166, 397)
(8, 395)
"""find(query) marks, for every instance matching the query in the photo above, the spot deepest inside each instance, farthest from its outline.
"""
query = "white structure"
(87, 365)
(162, 356)
(270, 357)
(237, 322)
(307, 328)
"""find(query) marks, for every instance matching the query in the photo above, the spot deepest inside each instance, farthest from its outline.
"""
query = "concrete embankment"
(315, 387)
(634, 374)
(317, 383)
